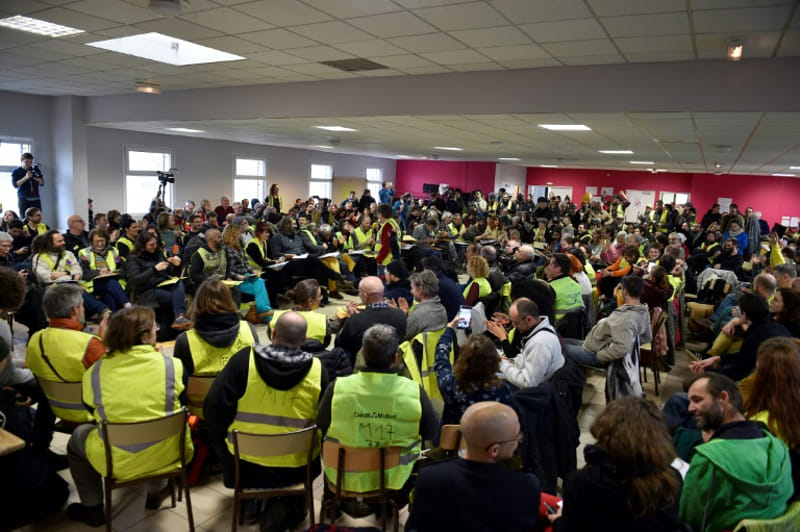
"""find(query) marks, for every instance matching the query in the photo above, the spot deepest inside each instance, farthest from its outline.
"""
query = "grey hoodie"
(612, 337)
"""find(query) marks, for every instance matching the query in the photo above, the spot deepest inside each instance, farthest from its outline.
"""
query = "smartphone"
(464, 317)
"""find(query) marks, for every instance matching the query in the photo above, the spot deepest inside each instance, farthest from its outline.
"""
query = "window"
(675, 198)
(141, 181)
(250, 179)
(375, 182)
(321, 181)
(10, 153)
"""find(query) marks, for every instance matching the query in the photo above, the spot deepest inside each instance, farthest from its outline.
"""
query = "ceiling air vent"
(359, 64)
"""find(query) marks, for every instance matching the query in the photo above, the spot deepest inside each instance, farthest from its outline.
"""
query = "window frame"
(311, 179)
(661, 194)
(377, 183)
(263, 179)
(26, 145)
(126, 173)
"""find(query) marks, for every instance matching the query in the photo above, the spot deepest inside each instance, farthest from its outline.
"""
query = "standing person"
(387, 243)
(386, 193)
(274, 199)
(27, 179)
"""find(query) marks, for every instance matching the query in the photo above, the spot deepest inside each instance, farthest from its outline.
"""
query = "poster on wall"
(724, 204)
(607, 191)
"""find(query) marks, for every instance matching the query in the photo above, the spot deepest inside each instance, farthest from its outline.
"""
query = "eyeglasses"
(517, 438)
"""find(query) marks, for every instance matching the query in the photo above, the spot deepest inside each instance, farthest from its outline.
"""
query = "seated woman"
(240, 270)
(627, 483)
(307, 295)
(785, 308)
(153, 279)
(478, 287)
(102, 260)
(657, 288)
(474, 377)
(610, 277)
(258, 257)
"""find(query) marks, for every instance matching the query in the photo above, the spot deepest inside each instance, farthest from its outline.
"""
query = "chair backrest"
(572, 324)
(450, 437)
(196, 391)
(265, 445)
(70, 392)
(359, 459)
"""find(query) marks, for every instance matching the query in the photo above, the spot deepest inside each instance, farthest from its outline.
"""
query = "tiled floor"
(211, 501)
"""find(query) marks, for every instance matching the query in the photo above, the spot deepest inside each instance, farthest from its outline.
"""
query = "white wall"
(508, 176)
(206, 166)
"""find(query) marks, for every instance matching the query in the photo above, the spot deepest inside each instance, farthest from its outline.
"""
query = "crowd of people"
(553, 284)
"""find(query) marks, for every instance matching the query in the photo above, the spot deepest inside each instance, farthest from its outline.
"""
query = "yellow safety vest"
(209, 360)
(91, 255)
(40, 229)
(127, 243)
(378, 244)
(568, 295)
(484, 288)
(310, 236)
(262, 249)
(371, 409)
(64, 349)
(316, 323)
(215, 264)
(137, 385)
(424, 375)
(266, 410)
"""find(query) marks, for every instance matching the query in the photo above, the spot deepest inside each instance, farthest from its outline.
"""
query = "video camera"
(35, 171)
(166, 177)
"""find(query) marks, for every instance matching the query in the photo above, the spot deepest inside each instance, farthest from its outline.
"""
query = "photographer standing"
(27, 179)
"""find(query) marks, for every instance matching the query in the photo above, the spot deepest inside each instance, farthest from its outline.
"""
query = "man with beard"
(741, 471)
(730, 259)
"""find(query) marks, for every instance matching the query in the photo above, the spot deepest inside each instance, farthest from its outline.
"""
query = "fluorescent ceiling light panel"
(509, 159)
(794, 168)
(648, 163)
(335, 128)
(448, 148)
(565, 127)
(185, 130)
(616, 152)
(784, 175)
(323, 147)
(165, 49)
(403, 156)
(548, 166)
(39, 27)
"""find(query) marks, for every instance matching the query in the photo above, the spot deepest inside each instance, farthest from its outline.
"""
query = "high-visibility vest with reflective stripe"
(127, 243)
(40, 229)
(266, 410)
(372, 409)
(65, 349)
(568, 295)
(91, 255)
(484, 288)
(310, 236)
(140, 384)
(677, 284)
(428, 340)
(316, 323)
(215, 264)
(357, 237)
(378, 244)
(262, 249)
(590, 273)
(209, 360)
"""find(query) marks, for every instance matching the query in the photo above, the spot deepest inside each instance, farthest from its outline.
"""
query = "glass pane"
(374, 174)
(140, 192)
(11, 151)
(321, 171)
(148, 161)
(8, 194)
(374, 188)
(249, 188)
(681, 198)
(319, 188)
(254, 167)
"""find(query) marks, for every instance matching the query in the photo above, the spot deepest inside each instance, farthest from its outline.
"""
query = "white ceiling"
(284, 40)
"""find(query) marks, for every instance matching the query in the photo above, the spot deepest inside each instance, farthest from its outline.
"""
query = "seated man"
(76, 238)
(742, 471)
(370, 291)
(613, 337)
(428, 314)
(523, 266)
(268, 389)
(210, 260)
(730, 259)
(568, 291)
(398, 285)
(376, 407)
(475, 491)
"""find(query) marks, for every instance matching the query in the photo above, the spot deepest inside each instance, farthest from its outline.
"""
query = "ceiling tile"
(403, 61)
(485, 37)
(332, 32)
(230, 44)
(576, 60)
(434, 69)
(275, 58)
(732, 20)
(475, 67)
(515, 53)
(528, 63)
(10, 38)
(646, 25)
(21, 7)
(373, 48)
(580, 48)
(455, 57)
(278, 39)
(610, 8)
(462, 16)
(319, 53)
(227, 20)
(353, 8)
(658, 57)
(312, 68)
(664, 43)
(116, 10)
(536, 11)
(62, 47)
(727, 4)
(790, 45)
(178, 28)
(393, 25)
(581, 29)
(414, 4)
(434, 42)
(283, 12)
(74, 19)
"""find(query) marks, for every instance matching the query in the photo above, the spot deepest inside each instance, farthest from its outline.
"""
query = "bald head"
(370, 290)
(490, 430)
(289, 330)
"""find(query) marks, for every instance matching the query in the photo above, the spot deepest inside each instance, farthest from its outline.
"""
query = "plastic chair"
(648, 357)
(360, 460)
(142, 433)
(273, 445)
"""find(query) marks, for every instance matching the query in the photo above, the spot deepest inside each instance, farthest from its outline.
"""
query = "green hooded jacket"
(730, 480)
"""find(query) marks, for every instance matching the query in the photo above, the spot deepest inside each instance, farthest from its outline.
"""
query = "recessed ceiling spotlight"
(616, 152)
(565, 127)
(717, 165)
(735, 49)
(448, 148)
(148, 87)
(335, 128)
(39, 27)
(647, 163)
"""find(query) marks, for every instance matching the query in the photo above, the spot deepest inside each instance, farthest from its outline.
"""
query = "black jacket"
(521, 271)
(739, 365)
(352, 332)
(143, 276)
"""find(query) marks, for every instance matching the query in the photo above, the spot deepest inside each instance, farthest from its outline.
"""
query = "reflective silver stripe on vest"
(97, 390)
(66, 406)
(267, 419)
(169, 384)
(406, 459)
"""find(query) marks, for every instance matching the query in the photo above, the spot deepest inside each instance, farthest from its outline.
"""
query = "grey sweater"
(428, 315)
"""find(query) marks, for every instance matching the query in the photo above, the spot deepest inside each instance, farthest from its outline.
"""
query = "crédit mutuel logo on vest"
(375, 415)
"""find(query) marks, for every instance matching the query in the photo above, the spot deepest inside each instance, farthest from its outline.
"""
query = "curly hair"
(477, 365)
(791, 306)
(478, 266)
(634, 436)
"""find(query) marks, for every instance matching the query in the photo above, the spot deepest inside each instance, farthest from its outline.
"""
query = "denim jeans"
(172, 297)
(575, 351)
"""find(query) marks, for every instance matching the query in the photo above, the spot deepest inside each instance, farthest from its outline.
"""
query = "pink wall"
(467, 176)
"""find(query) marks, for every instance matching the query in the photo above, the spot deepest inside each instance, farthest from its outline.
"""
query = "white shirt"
(540, 358)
